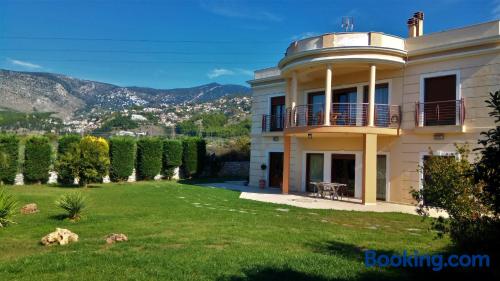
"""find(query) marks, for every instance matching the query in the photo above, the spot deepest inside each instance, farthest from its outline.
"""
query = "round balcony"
(352, 49)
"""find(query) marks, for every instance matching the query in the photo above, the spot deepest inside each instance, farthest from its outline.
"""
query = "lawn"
(185, 232)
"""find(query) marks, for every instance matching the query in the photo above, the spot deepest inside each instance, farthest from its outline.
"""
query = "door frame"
(268, 161)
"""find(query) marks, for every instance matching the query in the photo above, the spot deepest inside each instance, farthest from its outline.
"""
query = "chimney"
(419, 16)
(412, 27)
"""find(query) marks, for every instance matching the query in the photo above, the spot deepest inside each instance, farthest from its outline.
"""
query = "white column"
(328, 94)
(371, 96)
(294, 89)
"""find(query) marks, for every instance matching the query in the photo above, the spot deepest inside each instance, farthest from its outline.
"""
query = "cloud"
(238, 9)
(24, 64)
(304, 35)
(217, 72)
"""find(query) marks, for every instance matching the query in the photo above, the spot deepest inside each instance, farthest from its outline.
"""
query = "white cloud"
(238, 9)
(217, 72)
(24, 64)
(304, 35)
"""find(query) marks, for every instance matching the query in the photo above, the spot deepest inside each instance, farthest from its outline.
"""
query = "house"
(364, 108)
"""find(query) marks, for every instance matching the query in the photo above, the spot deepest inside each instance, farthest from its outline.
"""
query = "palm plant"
(8, 205)
(73, 204)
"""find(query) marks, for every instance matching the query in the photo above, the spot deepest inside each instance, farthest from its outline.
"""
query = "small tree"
(94, 160)
(65, 175)
(149, 154)
(37, 160)
(122, 156)
(189, 156)
(172, 157)
(9, 146)
(487, 172)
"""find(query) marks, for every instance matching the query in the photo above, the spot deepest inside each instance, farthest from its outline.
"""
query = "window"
(382, 107)
(440, 105)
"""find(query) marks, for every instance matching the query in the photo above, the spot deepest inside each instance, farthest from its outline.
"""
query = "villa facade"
(364, 108)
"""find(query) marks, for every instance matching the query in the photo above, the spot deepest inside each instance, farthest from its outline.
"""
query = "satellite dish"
(347, 24)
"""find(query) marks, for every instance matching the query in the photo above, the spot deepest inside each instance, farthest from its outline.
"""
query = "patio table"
(334, 189)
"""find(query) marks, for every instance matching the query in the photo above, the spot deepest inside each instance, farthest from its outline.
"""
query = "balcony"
(343, 116)
(273, 123)
(449, 114)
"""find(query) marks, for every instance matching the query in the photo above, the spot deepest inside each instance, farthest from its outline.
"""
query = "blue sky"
(174, 43)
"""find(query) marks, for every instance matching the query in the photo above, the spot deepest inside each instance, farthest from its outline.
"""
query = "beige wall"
(479, 75)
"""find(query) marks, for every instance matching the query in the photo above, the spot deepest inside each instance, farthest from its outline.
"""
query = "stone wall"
(235, 169)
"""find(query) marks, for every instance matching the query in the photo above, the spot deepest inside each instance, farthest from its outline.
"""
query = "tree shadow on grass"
(59, 217)
(356, 254)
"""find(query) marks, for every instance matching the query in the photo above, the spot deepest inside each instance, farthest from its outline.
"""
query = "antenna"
(347, 23)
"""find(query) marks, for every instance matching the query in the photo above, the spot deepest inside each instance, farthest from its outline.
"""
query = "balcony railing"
(343, 114)
(451, 112)
(273, 123)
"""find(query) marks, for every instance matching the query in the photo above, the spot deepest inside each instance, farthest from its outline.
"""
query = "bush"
(122, 158)
(65, 175)
(189, 156)
(172, 157)
(8, 207)
(37, 160)
(94, 160)
(73, 203)
(149, 153)
(9, 148)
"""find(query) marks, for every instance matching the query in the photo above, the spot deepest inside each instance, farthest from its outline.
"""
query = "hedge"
(189, 156)
(37, 160)
(122, 157)
(9, 148)
(93, 161)
(149, 154)
(172, 157)
(202, 154)
(66, 145)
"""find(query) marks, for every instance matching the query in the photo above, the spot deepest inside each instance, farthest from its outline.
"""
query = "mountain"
(64, 95)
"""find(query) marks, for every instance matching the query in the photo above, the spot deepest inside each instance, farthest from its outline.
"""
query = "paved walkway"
(271, 195)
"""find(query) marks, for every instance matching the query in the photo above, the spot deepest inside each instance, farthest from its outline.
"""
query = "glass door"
(381, 177)
(275, 169)
(277, 113)
(316, 108)
(343, 171)
(344, 107)
(314, 169)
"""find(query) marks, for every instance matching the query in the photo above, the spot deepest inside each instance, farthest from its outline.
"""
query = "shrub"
(9, 146)
(94, 160)
(8, 205)
(149, 153)
(189, 156)
(73, 203)
(37, 160)
(122, 158)
(172, 157)
(67, 143)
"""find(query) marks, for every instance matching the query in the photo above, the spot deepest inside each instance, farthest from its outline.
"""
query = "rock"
(29, 209)
(61, 236)
(116, 237)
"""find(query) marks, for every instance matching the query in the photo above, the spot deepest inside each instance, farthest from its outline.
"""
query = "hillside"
(65, 96)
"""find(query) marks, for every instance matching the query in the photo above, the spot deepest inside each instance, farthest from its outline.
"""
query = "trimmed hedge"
(9, 147)
(172, 157)
(189, 156)
(37, 160)
(122, 157)
(93, 163)
(66, 145)
(149, 154)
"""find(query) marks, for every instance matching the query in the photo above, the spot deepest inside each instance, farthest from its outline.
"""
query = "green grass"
(185, 232)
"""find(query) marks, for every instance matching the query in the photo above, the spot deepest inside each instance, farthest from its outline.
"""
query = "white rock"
(61, 236)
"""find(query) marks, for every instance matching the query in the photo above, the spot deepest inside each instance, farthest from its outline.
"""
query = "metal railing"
(343, 114)
(438, 113)
(273, 123)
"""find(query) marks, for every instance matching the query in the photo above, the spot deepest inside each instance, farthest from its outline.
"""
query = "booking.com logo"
(436, 262)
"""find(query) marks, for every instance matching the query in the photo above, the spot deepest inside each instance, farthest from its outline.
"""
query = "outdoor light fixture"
(438, 136)
(309, 136)
(276, 138)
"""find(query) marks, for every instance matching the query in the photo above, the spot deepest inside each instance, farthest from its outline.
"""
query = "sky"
(185, 43)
